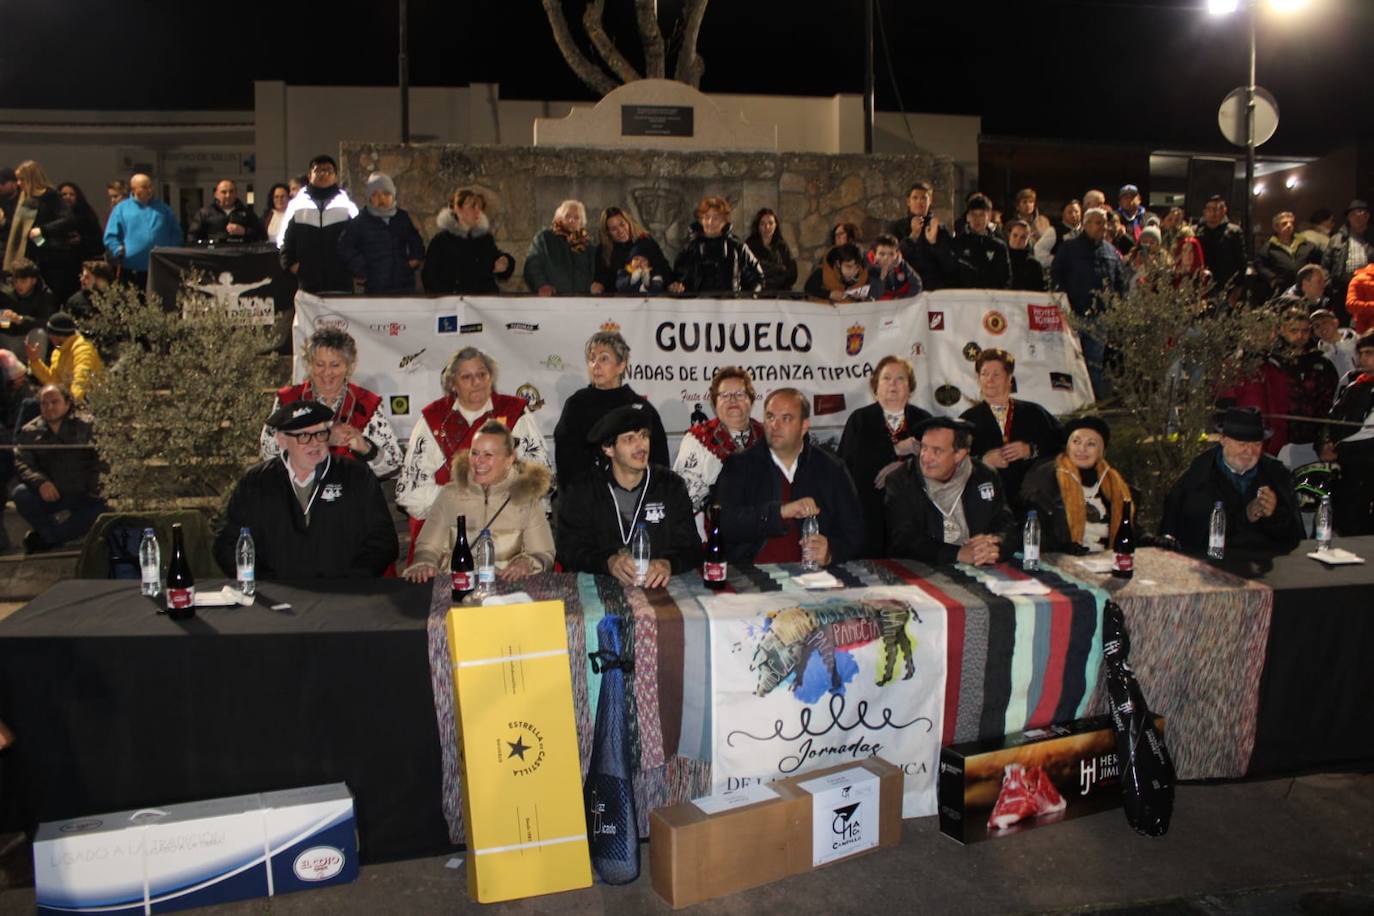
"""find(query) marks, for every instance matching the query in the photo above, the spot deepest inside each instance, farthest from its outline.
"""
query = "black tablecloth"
(1318, 681)
(116, 706)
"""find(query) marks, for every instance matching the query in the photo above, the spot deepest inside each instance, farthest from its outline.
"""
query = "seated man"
(764, 493)
(598, 512)
(946, 506)
(313, 515)
(74, 361)
(24, 305)
(1352, 443)
(1255, 490)
(55, 479)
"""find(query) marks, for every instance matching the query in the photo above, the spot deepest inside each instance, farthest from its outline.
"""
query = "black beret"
(1096, 424)
(624, 419)
(299, 415)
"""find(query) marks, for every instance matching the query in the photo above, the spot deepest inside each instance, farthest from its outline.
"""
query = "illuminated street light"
(1291, 182)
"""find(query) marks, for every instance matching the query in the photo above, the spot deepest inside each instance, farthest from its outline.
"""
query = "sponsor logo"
(948, 395)
(828, 404)
(446, 324)
(389, 328)
(1061, 381)
(971, 350)
(523, 749)
(474, 328)
(987, 491)
(80, 826)
(918, 349)
(522, 326)
(854, 339)
(331, 322)
(531, 396)
(400, 405)
(846, 826)
(331, 492)
(655, 512)
(411, 362)
(318, 863)
(937, 320)
(610, 325)
(300, 411)
(553, 362)
(1045, 317)
(994, 322)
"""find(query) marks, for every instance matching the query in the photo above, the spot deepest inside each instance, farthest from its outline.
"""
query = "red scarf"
(357, 408)
(718, 440)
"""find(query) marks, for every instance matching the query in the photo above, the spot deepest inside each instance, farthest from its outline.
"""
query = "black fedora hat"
(1244, 424)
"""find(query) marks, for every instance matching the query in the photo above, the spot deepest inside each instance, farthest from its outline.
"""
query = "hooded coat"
(462, 259)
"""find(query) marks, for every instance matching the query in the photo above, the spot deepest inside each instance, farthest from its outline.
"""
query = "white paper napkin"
(1005, 587)
(818, 579)
(1335, 557)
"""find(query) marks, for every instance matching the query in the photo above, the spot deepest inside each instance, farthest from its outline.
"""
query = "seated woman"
(714, 260)
(1080, 497)
(706, 445)
(621, 240)
(774, 257)
(361, 429)
(490, 488)
(608, 357)
(877, 439)
(462, 256)
(562, 258)
(1010, 435)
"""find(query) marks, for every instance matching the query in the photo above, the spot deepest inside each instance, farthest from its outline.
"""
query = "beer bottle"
(713, 566)
(464, 579)
(1123, 567)
(181, 585)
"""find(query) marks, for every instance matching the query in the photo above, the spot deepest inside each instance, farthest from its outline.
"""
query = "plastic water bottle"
(246, 556)
(1216, 533)
(1030, 542)
(484, 558)
(810, 527)
(1324, 524)
(639, 550)
(150, 561)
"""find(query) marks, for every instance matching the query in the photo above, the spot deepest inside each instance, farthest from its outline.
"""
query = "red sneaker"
(1016, 800)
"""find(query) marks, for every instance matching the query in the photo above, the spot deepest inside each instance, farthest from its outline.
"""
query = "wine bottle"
(464, 579)
(713, 567)
(1123, 567)
(181, 585)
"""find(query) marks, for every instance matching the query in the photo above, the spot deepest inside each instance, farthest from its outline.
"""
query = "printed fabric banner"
(801, 682)
(677, 344)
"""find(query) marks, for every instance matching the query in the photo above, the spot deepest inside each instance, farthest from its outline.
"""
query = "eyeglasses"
(733, 396)
(319, 435)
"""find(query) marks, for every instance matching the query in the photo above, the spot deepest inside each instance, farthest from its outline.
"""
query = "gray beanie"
(1152, 232)
(380, 181)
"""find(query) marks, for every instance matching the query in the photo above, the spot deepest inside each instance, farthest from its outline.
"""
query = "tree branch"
(651, 37)
(591, 21)
(585, 70)
(690, 66)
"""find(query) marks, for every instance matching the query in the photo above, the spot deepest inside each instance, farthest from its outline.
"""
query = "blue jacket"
(135, 229)
(379, 250)
(1082, 266)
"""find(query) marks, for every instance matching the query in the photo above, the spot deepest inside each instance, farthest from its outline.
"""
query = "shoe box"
(995, 788)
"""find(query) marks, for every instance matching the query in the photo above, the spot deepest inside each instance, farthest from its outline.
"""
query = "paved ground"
(1299, 846)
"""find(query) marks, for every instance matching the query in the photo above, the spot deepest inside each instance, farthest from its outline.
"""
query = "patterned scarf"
(577, 241)
(1071, 489)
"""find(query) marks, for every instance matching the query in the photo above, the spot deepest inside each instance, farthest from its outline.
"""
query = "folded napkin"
(818, 579)
(1335, 556)
(225, 597)
(1101, 563)
(512, 598)
(1005, 587)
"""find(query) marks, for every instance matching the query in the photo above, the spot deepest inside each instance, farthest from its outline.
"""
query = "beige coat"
(521, 530)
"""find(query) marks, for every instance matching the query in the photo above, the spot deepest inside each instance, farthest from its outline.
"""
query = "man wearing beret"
(1255, 491)
(946, 506)
(313, 515)
(766, 491)
(597, 513)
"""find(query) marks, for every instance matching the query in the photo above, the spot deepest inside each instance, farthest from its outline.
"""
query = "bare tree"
(610, 68)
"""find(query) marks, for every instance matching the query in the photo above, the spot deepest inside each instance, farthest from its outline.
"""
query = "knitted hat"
(380, 181)
(1152, 232)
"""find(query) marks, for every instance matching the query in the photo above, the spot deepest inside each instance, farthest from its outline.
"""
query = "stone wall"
(523, 186)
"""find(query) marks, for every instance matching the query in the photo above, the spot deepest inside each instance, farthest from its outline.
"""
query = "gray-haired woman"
(361, 429)
(608, 358)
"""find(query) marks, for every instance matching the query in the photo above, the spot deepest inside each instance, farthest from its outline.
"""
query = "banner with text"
(801, 682)
(676, 345)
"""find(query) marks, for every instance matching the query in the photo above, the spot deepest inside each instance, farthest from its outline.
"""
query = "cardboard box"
(1077, 760)
(522, 780)
(197, 854)
(761, 834)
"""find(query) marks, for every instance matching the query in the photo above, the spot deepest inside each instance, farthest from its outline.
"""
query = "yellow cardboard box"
(522, 784)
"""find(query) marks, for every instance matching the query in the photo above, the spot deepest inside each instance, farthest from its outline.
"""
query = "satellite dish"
(1231, 116)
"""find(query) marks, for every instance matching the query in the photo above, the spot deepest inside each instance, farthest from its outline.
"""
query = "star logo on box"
(522, 748)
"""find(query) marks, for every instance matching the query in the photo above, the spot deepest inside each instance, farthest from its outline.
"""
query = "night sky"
(1103, 70)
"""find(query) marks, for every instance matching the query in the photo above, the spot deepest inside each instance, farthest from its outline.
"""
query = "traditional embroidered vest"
(453, 433)
(357, 408)
(716, 437)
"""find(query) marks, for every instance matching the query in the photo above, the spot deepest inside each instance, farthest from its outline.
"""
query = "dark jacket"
(210, 224)
(866, 447)
(750, 495)
(1030, 423)
(36, 308)
(379, 249)
(314, 223)
(1335, 258)
(551, 261)
(463, 260)
(1353, 405)
(983, 261)
(55, 218)
(1188, 508)
(1026, 272)
(75, 472)
(610, 263)
(860, 289)
(776, 261)
(1223, 249)
(1278, 267)
(936, 264)
(589, 525)
(350, 533)
(915, 528)
(1082, 268)
(573, 455)
(722, 264)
